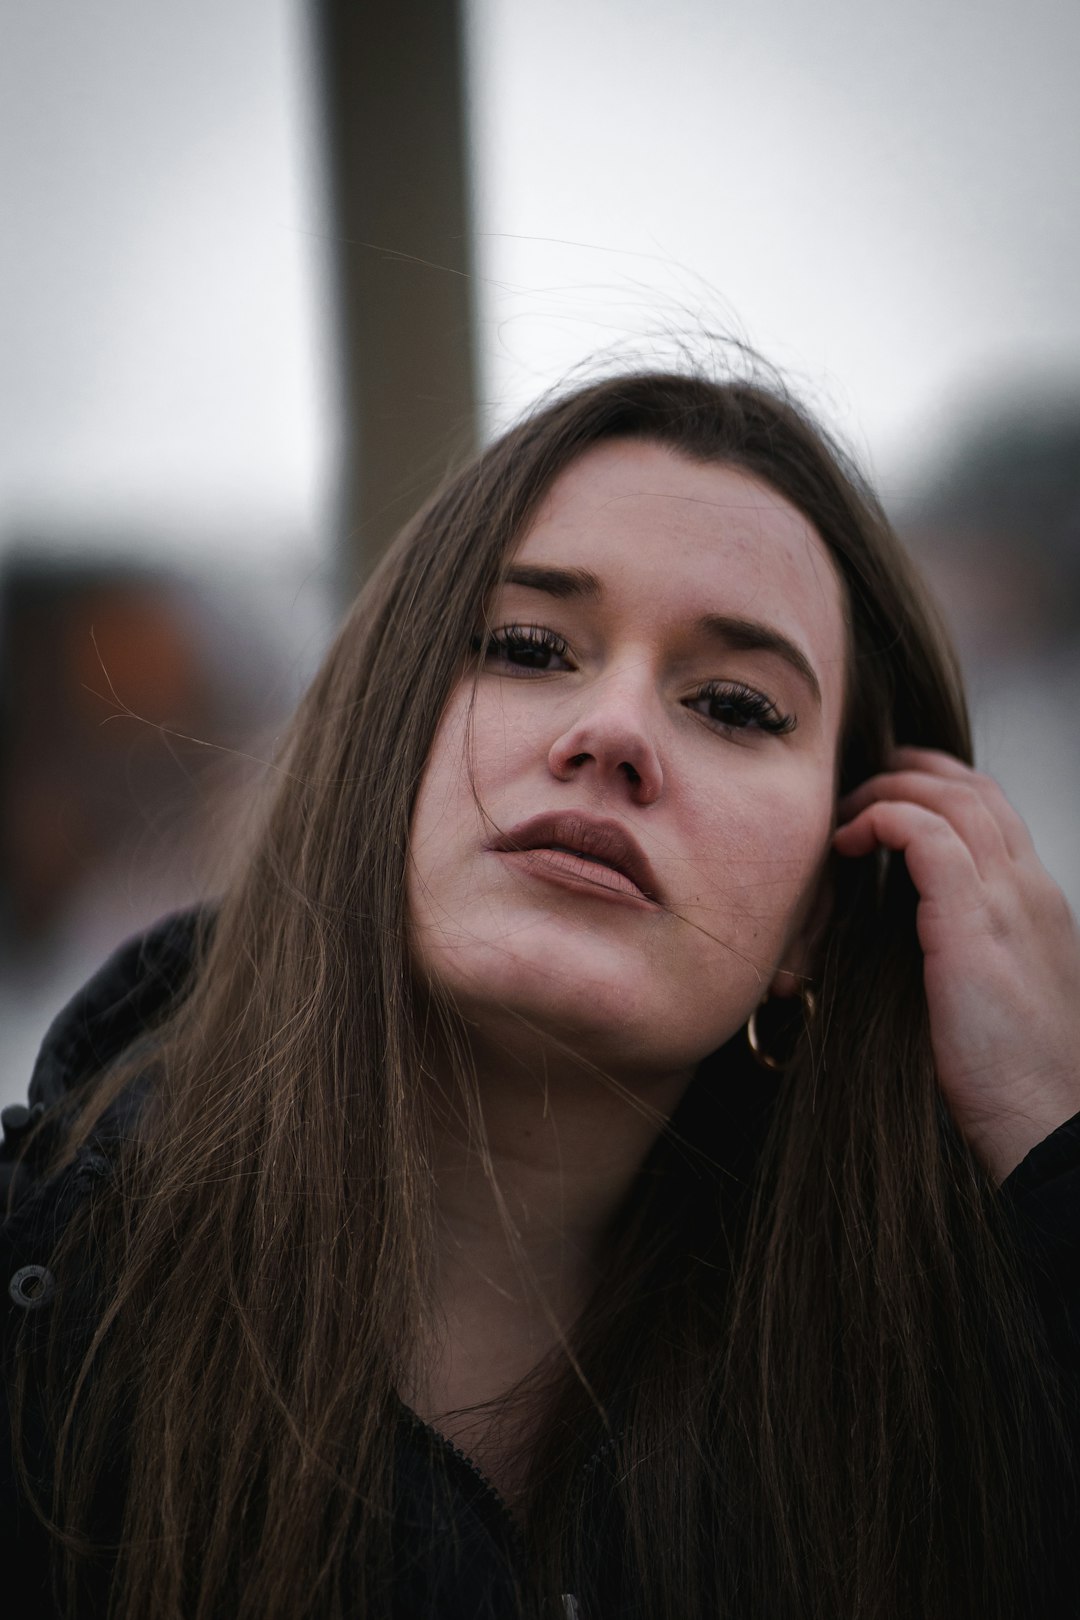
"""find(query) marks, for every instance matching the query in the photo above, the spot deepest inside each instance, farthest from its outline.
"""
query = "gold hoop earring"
(753, 1037)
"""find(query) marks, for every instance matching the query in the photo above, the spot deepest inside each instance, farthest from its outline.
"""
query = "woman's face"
(620, 835)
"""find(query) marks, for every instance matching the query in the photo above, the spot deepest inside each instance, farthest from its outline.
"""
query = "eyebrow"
(561, 582)
(750, 635)
(744, 635)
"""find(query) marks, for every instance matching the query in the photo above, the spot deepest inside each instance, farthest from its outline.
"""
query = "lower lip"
(578, 874)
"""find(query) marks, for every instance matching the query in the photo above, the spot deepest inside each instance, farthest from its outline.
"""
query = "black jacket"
(466, 1575)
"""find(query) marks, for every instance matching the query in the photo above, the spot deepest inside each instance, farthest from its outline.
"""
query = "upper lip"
(597, 836)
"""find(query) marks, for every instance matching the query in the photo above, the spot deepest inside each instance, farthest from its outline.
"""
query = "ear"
(800, 955)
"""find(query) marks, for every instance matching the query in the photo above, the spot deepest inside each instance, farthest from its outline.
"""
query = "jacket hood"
(125, 997)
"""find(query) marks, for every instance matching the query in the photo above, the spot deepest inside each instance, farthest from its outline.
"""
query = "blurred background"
(268, 267)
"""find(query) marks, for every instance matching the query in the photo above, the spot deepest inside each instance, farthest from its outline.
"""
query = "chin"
(611, 1020)
(528, 977)
(574, 993)
(599, 990)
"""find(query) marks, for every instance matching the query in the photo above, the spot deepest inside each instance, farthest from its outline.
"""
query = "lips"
(596, 839)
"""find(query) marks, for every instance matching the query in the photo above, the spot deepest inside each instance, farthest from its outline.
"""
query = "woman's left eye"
(735, 707)
(523, 646)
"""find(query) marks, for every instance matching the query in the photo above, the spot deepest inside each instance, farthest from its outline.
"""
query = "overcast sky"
(883, 198)
(160, 302)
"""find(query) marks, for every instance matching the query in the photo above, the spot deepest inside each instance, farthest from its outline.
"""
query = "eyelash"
(753, 709)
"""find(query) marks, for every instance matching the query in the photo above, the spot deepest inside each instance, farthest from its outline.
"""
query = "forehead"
(680, 538)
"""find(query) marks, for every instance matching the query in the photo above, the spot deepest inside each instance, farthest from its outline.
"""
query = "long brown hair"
(809, 1353)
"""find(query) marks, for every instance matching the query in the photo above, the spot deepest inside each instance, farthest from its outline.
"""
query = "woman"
(613, 1149)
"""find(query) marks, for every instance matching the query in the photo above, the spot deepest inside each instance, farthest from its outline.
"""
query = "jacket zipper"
(491, 1491)
(490, 1494)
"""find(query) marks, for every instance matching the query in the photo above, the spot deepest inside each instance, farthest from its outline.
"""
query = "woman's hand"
(1001, 948)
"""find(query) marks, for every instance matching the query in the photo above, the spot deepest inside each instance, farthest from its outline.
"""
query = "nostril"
(632, 775)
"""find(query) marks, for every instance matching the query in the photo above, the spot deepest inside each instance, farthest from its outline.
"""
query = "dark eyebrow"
(744, 635)
(750, 635)
(560, 582)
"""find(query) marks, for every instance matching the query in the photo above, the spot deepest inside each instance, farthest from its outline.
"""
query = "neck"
(563, 1146)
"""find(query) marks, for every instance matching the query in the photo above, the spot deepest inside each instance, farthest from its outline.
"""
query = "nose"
(611, 741)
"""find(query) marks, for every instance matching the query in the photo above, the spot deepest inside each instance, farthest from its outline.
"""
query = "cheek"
(482, 750)
(474, 750)
(505, 736)
(760, 852)
(443, 791)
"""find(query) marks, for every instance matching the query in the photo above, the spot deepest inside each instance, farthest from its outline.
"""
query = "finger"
(938, 860)
(958, 802)
(1013, 827)
(908, 756)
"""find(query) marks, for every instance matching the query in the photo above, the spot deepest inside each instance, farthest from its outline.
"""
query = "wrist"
(1003, 1143)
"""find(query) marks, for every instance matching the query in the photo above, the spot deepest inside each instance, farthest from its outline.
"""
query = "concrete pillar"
(392, 84)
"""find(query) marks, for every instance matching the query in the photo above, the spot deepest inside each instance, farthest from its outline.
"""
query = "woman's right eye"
(523, 646)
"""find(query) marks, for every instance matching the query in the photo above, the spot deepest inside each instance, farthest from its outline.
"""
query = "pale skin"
(614, 698)
(1001, 949)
